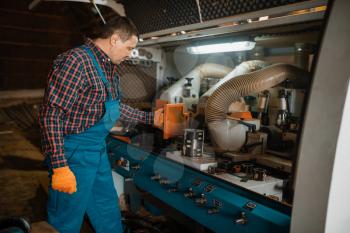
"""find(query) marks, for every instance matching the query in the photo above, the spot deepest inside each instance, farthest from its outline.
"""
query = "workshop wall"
(30, 40)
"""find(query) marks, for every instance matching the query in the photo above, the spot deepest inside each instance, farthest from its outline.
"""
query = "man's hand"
(63, 180)
(158, 118)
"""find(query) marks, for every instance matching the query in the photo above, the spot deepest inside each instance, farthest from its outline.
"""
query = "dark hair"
(123, 26)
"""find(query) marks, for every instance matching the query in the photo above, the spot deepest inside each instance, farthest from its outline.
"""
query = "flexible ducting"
(243, 68)
(229, 134)
(198, 73)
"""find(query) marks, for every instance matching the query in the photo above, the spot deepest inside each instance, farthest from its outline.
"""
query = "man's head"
(117, 39)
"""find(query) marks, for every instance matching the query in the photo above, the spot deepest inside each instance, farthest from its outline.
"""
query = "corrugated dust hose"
(227, 134)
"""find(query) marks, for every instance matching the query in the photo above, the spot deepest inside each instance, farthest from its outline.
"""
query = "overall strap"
(116, 80)
(100, 72)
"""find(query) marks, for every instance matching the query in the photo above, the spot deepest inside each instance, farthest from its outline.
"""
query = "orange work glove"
(63, 180)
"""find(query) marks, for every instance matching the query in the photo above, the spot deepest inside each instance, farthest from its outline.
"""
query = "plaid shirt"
(74, 99)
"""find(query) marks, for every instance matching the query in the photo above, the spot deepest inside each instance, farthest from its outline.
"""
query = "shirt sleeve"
(61, 93)
(128, 113)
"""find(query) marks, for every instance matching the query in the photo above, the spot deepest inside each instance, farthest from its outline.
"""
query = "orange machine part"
(161, 103)
(175, 120)
(242, 115)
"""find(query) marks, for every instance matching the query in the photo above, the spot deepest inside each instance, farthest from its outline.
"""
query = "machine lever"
(164, 181)
(173, 190)
(242, 219)
(202, 200)
(189, 193)
(213, 210)
(155, 177)
(135, 166)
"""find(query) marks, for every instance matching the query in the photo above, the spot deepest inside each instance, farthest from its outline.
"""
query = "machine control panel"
(205, 197)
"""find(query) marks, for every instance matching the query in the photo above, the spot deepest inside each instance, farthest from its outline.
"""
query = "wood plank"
(18, 4)
(27, 20)
(15, 50)
(24, 60)
(18, 73)
(8, 68)
(30, 44)
(20, 13)
(30, 81)
(43, 7)
(22, 94)
(41, 38)
(34, 29)
(24, 74)
(25, 77)
(31, 40)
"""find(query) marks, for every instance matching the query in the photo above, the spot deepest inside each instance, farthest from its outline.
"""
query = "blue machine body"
(212, 202)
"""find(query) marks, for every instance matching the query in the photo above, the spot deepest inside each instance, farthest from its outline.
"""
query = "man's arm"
(128, 113)
(61, 93)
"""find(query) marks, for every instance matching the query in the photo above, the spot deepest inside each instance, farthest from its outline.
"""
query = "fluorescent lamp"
(222, 47)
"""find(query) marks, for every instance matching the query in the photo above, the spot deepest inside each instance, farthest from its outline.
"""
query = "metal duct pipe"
(198, 73)
(228, 134)
(243, 68)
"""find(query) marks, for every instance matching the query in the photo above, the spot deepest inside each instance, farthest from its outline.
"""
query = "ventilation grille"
(156, 15)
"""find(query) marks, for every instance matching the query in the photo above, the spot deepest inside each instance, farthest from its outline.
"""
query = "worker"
(81, 104)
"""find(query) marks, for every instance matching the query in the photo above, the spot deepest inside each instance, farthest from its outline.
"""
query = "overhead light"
(222, 47)
(263, 18)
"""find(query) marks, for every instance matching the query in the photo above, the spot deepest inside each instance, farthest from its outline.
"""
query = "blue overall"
(87, 158)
